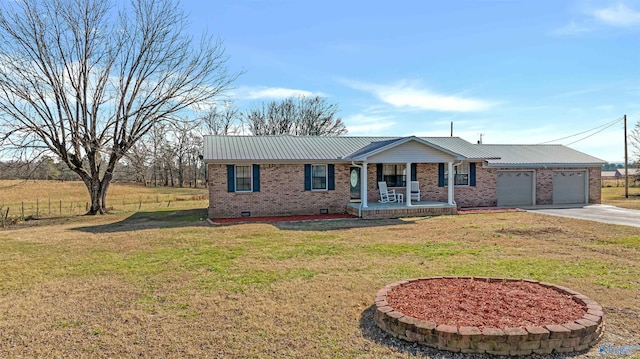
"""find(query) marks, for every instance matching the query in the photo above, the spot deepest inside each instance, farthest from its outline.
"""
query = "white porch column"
(407, 196)
(363, 185)
(450, 184)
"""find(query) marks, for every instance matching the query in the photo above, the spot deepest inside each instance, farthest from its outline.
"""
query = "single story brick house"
(295, 175)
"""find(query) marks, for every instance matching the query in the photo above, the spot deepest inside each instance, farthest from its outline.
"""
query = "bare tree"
(185, 139)
(635, 141)
(222, 119)
(137, 162)
(301, 116)
(87, 79)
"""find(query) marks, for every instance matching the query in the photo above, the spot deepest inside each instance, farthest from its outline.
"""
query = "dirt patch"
(533, 231)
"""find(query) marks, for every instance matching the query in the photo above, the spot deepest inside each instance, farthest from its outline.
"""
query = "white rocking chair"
(386, 195)
(415, 191)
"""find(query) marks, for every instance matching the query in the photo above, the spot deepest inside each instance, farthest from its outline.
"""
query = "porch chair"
(386, 195)
(415, 191)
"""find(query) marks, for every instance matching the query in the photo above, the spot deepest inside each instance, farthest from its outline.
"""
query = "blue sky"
(515, 71)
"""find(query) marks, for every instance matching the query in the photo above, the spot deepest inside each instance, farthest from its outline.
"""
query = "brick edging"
(578, 335)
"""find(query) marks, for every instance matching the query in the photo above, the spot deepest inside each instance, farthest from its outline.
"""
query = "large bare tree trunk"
(85, 80)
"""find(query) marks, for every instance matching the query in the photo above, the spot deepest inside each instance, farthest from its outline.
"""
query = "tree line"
(102, 89)
(170, 154)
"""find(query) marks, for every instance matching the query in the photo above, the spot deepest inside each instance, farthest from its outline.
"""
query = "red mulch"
(487, 210)
(275, 219)
(474, 303)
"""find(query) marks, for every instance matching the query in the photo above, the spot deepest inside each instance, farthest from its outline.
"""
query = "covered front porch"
(395, 210)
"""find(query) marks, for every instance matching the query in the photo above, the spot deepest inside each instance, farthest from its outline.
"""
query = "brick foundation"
(568, 337)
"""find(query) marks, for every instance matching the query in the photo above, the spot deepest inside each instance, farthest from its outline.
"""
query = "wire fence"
(55, 207)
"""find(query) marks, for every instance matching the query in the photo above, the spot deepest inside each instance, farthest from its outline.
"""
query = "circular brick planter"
(577, 335)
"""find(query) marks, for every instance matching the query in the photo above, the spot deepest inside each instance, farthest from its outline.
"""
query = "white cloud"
(367, 125)
(618, 15)
(271, 93)
(405, 95)
(572, 29)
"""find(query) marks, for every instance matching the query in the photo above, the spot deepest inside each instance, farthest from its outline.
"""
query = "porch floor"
(394, 210)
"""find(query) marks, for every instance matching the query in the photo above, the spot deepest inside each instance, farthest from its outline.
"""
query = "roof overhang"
(540, 165)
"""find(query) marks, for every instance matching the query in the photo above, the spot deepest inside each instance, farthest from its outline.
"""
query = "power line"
(608, 124)
(595, 133)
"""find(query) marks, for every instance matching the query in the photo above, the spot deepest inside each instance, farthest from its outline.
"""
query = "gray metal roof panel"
(539, 155)
(282, 148)
(342, 148)
(302, 148)
(462, 147)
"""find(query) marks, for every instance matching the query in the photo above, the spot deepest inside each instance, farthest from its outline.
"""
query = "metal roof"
(285, 148)
(322, 148)
(539, 156)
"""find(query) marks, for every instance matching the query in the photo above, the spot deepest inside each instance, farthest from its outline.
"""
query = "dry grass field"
(615, 196)
(163, 283)
(43, 199)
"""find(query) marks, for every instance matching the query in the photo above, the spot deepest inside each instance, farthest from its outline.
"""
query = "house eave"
(540, 165)
(277, 161)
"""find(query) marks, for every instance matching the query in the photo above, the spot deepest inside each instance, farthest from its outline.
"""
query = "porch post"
(450, 184)
(363, 185)
(407, 196)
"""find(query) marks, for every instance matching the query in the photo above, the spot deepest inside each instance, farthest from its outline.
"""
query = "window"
(461, 176)
(318, 177)
(394, 175)
(243, 179)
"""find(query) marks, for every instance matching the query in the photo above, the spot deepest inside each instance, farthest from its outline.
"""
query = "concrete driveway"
(596, 212)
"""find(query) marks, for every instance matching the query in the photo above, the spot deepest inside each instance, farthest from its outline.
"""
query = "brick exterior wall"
(281, 193)
(595, 185)
(483, 194)
(282, 190)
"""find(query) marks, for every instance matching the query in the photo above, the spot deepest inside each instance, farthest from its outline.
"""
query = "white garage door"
(569, 187)
(515, 188)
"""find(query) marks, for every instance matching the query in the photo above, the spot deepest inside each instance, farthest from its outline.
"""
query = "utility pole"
(626, 161)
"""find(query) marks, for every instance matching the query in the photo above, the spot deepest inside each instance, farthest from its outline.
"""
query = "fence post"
(37, 208)
(49, 206)
(4, 218)
(60, 208)
(22, 211)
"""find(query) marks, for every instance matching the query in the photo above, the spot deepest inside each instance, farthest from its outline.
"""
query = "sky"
(511, 71)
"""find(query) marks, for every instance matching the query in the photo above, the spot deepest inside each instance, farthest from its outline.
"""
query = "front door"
(354, 183)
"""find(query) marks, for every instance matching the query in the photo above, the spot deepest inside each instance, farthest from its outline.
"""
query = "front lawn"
(165, 284)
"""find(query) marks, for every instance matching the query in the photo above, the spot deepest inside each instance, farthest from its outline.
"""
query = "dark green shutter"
(231, 178)
(378, 173)
(414, 171)
(472, 174)
(440, 174)
(307, 177)
(256, 178)
(331, 169)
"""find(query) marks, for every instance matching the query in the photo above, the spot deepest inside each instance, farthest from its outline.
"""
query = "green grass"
(163, 283)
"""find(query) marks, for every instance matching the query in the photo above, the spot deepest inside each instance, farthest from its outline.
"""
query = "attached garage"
(570, 187)
(515, 188)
